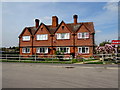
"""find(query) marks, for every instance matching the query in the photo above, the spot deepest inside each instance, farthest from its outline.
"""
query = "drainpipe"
(32, 45)
(73, 45)
(52, 43)
(19, 45)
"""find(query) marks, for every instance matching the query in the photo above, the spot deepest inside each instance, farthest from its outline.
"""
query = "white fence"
(105, 56)
(35, 57)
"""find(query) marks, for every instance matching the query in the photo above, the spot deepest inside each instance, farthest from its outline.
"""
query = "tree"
(106, 49)
(104, 42)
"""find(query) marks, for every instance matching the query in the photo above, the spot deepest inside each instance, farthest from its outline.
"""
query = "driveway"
(37, 75)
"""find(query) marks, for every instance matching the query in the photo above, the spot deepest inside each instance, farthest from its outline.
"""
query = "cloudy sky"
(17, 15)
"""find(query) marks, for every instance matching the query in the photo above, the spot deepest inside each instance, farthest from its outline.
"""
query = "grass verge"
(28, 61)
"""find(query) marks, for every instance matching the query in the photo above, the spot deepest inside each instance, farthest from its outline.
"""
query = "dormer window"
(63, 35)
(42, 37)
(26, 38)
(41, 29)
(83, 35)
(62, 27)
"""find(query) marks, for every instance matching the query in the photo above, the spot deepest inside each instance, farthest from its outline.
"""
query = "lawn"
(67, 61)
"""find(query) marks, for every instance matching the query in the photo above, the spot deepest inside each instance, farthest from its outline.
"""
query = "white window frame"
(26, 38)
(58, 48)
(83, 35)
(40, 48)
(66, 36)
(42, 37)
(80, 51)
(25, 50)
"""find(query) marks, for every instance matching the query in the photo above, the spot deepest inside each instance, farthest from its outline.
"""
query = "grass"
(29, 61)
(46, 60)
(94, 62)
(86, 61)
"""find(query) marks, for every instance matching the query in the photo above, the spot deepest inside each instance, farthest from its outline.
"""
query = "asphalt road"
(36, 75)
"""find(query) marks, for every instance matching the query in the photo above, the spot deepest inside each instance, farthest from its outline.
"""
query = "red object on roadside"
(116, 42)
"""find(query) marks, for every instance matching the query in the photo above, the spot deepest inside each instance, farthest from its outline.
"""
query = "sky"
(18, 15)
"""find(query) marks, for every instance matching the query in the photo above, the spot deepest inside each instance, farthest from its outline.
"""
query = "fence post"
(103, 59)
(83, 61)
(35, 57)
(19, 58)
(52, 57)
(71, 58)
(6, 56)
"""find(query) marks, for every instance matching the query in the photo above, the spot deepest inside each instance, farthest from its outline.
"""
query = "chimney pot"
(54, 21)
(75, 19)
(36, 23)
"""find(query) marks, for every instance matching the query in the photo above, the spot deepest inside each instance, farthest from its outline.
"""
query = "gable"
(42, 29)
(83, 28)
(25, 32)
(63, 28)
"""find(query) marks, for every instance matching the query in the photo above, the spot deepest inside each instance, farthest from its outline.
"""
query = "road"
(36, 75)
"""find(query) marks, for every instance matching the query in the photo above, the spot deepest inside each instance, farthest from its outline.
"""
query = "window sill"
(63, 39)
(41, 40)
(83, 38)
(83, 53)
(26, 53)
(26, 41)
(41, 53)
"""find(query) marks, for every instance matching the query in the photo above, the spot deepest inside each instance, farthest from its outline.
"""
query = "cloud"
(107, 22)
(46, 20)
(110, 6)
(108, 15)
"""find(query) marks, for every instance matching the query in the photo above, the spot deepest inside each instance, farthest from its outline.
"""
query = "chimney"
(36, 23)
(54, 21)
(75, 19)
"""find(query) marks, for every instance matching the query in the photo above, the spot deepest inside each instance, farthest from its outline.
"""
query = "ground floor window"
(25, 50)
(83, 49)
(64, 49)
(42, 50)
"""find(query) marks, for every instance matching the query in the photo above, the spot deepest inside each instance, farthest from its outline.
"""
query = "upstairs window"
(64, 49)
(62, 27)
(83, 35)
(25, 50)
(42, 50)
(63, 35)
(83, 50)
(26, 38)
(42, 37)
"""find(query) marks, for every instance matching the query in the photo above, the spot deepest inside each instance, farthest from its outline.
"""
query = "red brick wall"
(69, 42)
(26, 43)
(83, 42)
(42, 42)
(85, 55)
(25, 53)
(64, 42)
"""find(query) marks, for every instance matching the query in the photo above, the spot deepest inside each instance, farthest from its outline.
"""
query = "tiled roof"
(73, 27)
(52, 29)
(32, 30)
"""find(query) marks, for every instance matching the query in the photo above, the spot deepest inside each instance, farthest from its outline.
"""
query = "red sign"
(116, 42)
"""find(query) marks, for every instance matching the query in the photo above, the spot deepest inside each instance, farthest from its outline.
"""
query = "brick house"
(72, 38)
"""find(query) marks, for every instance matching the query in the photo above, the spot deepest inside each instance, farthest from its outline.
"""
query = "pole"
(35, 57)
(19, 58)
(6, 56)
